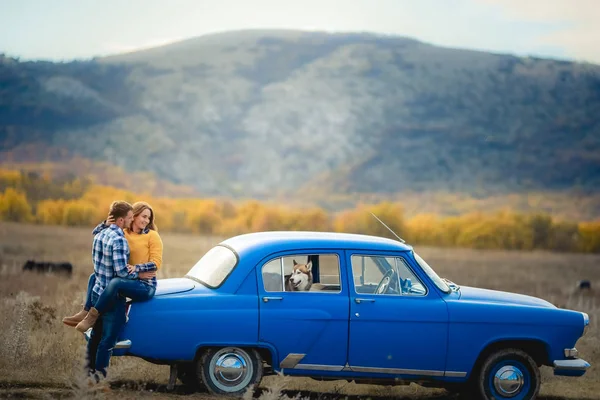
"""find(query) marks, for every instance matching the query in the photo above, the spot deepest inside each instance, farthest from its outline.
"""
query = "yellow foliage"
(313, 219)
(88, 205)
(9, 178)
(247, 212)
(425, 229)
(14, 206)
(590, 236)
(204, 221)
(51, 212)
(268, 219)
(163, 213)
(360, 220)
(233, 226)
(79, 213)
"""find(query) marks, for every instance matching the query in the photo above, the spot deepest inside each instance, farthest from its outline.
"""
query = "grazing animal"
(584, 285)
(61, 268)
(301, 278)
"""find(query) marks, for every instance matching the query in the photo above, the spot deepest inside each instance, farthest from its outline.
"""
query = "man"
(110, 254)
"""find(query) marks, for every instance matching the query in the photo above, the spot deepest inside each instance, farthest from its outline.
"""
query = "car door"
(403, 329)
(309, 329)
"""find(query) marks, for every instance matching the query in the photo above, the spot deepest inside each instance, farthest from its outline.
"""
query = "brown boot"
(73, 320)
(88, 321)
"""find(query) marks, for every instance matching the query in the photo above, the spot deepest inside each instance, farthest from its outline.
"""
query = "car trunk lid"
(174, 286)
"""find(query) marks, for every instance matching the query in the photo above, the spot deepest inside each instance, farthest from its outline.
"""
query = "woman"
(145, 257)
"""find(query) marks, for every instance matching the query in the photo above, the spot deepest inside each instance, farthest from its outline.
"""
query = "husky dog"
(301, 278)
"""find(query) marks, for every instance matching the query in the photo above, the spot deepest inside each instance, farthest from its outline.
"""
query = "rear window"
(214, 267)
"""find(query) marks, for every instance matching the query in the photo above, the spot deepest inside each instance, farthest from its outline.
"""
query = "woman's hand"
(130, 268)
(110, 220)
(147, 275)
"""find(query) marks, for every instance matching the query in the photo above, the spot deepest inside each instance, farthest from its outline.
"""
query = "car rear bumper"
(123, 344)
(570, 367)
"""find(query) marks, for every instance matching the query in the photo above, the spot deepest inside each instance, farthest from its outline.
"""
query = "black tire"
(507, 363)
(188, 375)
(455, 388)
(246, 370)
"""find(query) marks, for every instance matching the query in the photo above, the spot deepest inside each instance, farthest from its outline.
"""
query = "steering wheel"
(384, 284)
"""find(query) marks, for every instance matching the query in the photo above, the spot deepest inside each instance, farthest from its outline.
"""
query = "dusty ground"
(41, 358)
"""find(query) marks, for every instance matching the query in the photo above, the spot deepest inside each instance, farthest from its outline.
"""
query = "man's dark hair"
(119, 209)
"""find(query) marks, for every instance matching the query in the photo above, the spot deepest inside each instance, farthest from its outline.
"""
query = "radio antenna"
(394, 233)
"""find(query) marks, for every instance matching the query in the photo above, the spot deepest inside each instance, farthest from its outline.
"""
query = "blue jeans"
(88, 297)
(104, 335)
(136, 290)
(112, 309)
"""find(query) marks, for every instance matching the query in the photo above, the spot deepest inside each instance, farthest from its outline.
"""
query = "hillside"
(266, 113)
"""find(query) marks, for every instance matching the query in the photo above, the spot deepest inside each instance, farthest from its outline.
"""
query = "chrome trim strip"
(571, 365)
(291, 360)
(455, 374)
(320, 367)
(398, 371)
(123, 344)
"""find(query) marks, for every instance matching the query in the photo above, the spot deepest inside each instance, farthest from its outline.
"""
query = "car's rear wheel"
(230, 370)
(188, 375)
(508, 374)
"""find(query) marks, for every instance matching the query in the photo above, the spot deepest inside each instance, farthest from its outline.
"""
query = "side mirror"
(407, 285)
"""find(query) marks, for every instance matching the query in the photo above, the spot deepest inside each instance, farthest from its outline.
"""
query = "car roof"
(281, 240)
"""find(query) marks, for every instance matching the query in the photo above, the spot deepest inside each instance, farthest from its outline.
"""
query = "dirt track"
(135, 390)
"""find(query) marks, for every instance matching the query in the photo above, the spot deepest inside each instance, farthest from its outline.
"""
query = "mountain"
(270, 112)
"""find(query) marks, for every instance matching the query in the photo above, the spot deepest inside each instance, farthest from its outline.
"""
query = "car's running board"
(123, 344)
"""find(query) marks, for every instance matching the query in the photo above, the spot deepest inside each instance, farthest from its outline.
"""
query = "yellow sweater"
(144, 248)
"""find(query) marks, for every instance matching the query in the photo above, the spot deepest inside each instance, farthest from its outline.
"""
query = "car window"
(439, 282)
(214, 266)
(385, 275)
(302, 273)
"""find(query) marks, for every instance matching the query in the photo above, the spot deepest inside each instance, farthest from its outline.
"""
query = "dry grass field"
(41, 358)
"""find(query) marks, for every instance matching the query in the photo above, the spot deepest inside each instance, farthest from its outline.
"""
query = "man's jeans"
(112, 308)
(136, 290)
(104, 335)
(88, 297)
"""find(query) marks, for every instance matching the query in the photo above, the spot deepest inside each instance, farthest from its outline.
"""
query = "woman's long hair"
(139, 208)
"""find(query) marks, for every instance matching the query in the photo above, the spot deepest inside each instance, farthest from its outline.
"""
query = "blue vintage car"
(337, 306)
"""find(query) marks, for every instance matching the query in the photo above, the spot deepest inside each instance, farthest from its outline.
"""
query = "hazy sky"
(67, 29)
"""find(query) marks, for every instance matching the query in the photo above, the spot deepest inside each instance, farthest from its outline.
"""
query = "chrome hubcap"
(231, 369)
(508, 381)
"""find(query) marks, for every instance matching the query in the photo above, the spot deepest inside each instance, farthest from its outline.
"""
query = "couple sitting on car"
(127, 252)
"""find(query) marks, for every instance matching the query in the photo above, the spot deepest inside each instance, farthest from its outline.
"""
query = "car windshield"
(439, 282)
(214, 267)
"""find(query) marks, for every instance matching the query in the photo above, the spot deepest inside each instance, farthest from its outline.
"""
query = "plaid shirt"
(110, 252)
(145, 267)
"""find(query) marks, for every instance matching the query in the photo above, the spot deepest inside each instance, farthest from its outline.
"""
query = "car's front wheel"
(230, 370)
(508, 374)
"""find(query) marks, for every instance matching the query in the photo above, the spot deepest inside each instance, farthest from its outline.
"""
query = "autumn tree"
(51, 212)
(79, 213)
(14, 206)
(360, 220)
(589, 233)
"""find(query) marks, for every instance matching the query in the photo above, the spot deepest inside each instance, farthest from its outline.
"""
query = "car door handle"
(364, 300)
(267, 299)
